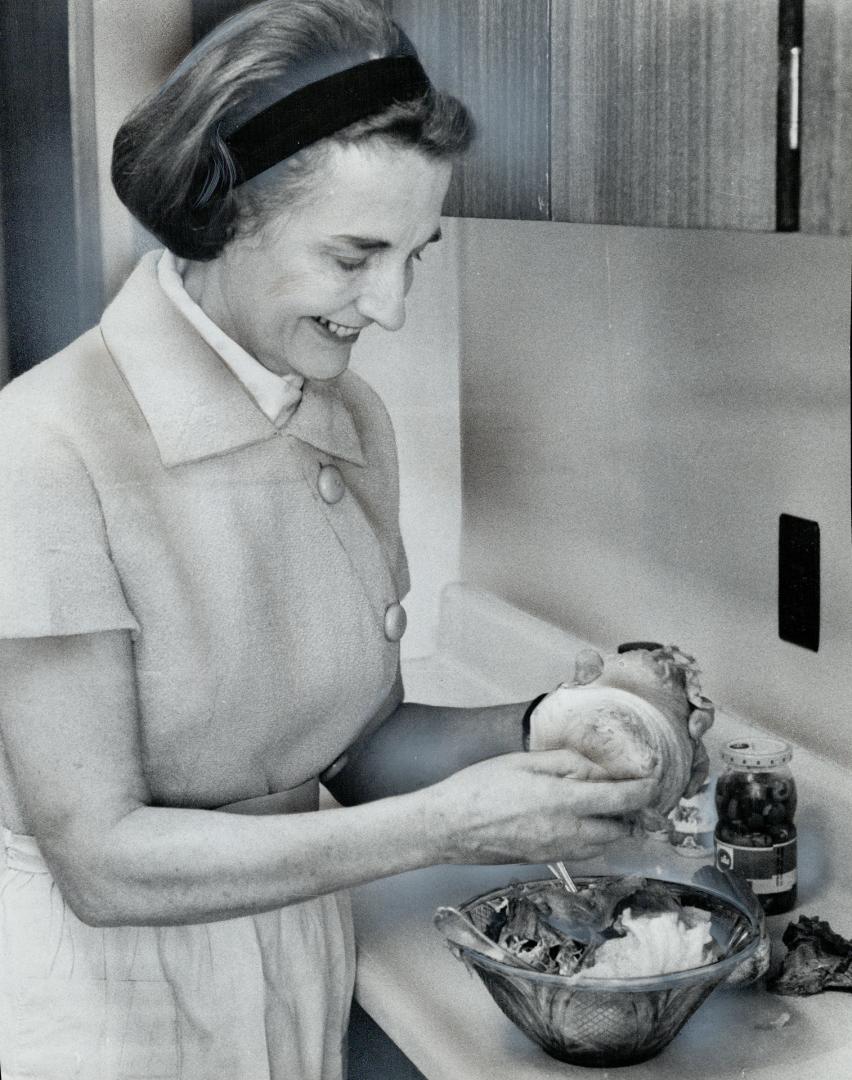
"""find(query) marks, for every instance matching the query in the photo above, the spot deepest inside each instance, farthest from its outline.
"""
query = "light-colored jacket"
(141, 488)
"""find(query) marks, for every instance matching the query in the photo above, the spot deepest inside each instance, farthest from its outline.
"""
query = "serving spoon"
(560, 872)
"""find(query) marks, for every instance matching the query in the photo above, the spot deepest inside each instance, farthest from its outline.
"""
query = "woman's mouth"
(337, 330)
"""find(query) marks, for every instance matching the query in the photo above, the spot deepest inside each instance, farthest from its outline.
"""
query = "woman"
(201, 587)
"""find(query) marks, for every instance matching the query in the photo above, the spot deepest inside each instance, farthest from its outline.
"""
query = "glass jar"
(692, 824)
(755, 835)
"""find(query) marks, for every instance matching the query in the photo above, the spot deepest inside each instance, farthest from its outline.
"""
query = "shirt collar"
(190, 399)
(277, 395)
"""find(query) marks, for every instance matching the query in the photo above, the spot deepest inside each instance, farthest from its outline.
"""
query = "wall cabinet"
(655, 112)
(641, 112)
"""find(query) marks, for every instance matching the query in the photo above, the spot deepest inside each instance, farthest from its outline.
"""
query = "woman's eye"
(349, 265)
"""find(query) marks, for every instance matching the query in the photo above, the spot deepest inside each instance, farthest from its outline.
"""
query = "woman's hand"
(640, 708)
(533, 807)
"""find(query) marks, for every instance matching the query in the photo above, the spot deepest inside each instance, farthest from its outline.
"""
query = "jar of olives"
(755, 835)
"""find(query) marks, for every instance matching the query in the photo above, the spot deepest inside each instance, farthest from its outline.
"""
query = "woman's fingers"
(613, 797)
(591, 853)
(595, 791)
(594, 833)
(531, 807)
(566, 762)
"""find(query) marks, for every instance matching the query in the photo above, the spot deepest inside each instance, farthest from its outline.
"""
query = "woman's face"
(297, 293)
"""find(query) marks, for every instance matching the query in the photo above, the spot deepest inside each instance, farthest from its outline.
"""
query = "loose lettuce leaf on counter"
(818, 959)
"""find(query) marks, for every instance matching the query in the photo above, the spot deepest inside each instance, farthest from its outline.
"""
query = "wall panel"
(664, 112)
(493, 54)
(47, 302)
(826, 199)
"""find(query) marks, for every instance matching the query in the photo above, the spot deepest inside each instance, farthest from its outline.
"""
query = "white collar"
(190, 399)
(276, 395)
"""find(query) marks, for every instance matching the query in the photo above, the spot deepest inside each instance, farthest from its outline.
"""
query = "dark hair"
(171, 166)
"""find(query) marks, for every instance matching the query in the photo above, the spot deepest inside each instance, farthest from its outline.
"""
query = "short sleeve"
(56, 574)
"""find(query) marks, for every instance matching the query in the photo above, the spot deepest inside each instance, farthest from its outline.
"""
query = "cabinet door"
(494, 55)
(664, 112)
(826, 127)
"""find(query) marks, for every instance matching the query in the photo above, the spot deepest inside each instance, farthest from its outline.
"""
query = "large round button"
(395, 622)
(330, 484)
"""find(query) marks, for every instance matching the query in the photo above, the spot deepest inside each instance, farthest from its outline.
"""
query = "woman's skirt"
(263, 997)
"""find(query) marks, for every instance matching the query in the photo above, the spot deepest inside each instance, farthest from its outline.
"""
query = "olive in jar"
(755, 835)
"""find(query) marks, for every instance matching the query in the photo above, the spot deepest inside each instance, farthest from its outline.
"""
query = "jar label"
(768, 869)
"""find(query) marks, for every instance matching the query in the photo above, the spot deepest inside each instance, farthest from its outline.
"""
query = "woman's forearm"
(168, 866)
(420, 744)
(175, 866)
(70, 731)
(158, 865)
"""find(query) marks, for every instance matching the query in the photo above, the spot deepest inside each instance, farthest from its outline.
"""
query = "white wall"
(638, 407)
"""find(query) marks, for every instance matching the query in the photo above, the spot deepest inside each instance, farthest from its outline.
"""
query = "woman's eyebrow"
(370, 243)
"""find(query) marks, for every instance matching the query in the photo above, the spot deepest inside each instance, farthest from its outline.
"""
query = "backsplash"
(638, 407)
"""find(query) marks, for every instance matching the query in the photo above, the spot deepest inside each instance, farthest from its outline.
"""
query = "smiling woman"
(201, 576)
(297, 292)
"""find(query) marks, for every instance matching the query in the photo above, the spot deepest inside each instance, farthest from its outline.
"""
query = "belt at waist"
(22, 852)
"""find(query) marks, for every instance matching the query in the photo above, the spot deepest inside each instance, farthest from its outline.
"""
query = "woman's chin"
(324, 358)
(319, 365)
(321, 369)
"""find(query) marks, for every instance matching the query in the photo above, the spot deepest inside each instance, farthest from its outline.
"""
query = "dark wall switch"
(798, 581)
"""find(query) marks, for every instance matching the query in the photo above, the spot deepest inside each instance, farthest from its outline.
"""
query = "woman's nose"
(383, 300)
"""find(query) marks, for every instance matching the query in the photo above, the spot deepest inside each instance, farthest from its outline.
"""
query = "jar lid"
(757, 753)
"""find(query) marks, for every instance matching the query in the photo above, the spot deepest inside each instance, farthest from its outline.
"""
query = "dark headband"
(319, 109)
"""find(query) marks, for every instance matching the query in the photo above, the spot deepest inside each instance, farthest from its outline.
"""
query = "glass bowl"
(612, 1022)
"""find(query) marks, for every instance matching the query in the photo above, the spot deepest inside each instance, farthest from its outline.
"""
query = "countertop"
(443, 1018)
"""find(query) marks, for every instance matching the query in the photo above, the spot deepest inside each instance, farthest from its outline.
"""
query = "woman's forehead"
(377, 192)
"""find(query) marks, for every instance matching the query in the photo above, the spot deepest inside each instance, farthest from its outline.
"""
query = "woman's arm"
(418, 745)
(70, 731)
